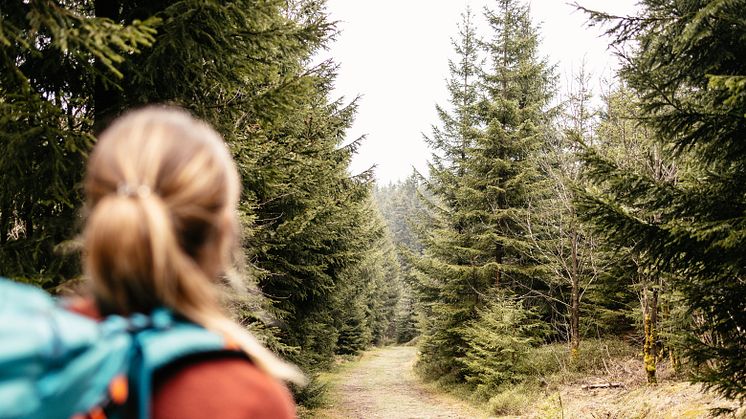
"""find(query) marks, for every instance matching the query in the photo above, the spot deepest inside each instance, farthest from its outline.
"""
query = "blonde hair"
(162, 194)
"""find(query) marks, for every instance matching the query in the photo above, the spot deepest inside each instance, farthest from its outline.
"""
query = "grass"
(550, 368)
(607, 358)
(553, 387)
(668, 400)
(512, 401)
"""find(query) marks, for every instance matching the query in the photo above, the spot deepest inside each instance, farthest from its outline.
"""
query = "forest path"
(382, 384)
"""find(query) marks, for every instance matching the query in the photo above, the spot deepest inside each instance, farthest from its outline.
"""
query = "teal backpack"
(58, 364)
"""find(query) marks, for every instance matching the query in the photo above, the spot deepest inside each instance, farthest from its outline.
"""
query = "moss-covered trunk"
(650, 328)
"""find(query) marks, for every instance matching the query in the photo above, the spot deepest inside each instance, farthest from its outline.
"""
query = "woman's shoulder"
(224, 387)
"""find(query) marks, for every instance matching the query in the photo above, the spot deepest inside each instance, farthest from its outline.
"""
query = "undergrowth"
(549, 367)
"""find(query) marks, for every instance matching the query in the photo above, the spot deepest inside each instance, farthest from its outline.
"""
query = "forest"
(548, 228)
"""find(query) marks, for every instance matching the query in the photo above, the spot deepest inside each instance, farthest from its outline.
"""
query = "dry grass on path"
(673, 400)
(382, 385)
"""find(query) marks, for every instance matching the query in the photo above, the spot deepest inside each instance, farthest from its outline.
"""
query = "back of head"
(162, 192)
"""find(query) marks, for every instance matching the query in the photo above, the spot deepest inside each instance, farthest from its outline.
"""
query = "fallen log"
(601, 385)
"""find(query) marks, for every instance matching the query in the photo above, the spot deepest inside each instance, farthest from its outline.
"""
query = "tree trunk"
(672, 355)
(654, 309)
(574, 302)
(650, 354)
(657, 344)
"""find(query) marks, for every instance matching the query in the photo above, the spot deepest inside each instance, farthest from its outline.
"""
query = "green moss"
(649, 353)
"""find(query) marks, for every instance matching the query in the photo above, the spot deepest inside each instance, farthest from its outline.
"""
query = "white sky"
(394, 53)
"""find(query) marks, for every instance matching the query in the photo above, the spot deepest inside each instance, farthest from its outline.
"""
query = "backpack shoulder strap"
(165, 338)
(55, 363)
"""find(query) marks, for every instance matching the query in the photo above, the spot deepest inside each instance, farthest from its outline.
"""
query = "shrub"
(499, 342)
(511, 401)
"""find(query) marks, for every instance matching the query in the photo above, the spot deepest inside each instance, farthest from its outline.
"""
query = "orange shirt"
(226, 388)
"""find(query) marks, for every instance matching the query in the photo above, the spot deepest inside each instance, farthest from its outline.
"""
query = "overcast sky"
(394, 54)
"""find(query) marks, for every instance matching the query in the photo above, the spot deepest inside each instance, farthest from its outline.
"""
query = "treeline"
(546, 218)
(321, 267)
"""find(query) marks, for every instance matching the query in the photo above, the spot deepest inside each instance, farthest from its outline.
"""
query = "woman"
(162, 195)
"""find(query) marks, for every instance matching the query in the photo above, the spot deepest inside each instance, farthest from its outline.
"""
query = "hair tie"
(132, 191)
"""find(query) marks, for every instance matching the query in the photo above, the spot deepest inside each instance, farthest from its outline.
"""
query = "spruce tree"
(458, 127)
(444, 280)
(500, 170)
(499, 341)
(245, 66)
(689, 73)
(401, 207)
(499, 175)
(481, 179)
(51, 53)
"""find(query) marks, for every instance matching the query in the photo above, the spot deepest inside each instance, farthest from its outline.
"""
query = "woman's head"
(162, 192)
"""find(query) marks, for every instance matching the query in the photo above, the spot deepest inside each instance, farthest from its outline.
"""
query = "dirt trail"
(382, 385)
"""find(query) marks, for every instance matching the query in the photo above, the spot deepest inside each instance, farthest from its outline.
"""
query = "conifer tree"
(50, 56)
(245, 66)
(689, 73)
(481, 195)
(500, 171)
(452, 140)
(499, 340)
(401, 207)
(385, 288)
(314, 230)
(443, 278)
(498, 178)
